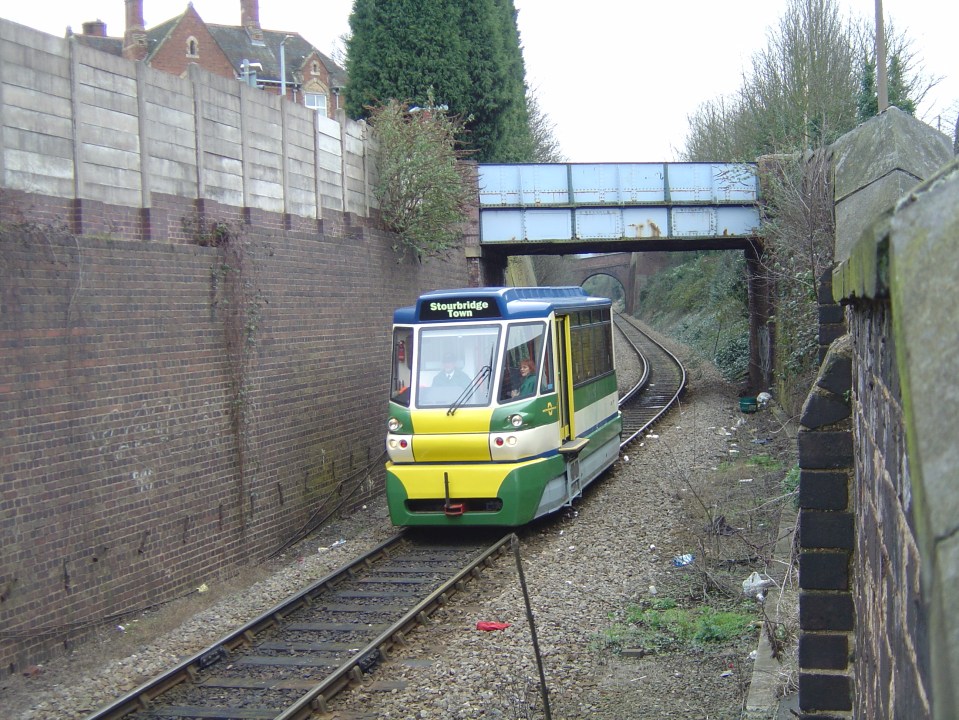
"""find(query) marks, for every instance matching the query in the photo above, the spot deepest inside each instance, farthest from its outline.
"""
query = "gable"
(186, 40)
(316, 77)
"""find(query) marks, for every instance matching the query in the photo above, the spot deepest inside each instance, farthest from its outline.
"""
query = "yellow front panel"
(464, 420)
(466, 481)
(460, 437)
(473, 447)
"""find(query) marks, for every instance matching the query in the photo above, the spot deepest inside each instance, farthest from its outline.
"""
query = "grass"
(791, 484)
(661, 625)
(765, 462)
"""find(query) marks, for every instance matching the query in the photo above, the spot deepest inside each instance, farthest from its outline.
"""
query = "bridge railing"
(606, 201)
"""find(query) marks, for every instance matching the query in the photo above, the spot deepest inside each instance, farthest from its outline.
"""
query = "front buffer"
(506, 494)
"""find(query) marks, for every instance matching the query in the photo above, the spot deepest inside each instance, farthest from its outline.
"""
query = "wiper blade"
(474, 385)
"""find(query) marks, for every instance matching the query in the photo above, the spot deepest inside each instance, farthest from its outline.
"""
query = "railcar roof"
(511, 302)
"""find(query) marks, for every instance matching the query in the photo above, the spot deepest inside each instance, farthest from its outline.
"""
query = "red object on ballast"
(489, 625)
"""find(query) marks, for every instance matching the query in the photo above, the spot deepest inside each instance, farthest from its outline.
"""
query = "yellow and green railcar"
(503, 404)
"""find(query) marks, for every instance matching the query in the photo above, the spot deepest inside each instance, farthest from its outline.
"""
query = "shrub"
(423, 187)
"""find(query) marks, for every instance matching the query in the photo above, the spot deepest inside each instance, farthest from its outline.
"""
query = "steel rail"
(643, 409)
(315, 699)
(141, 699)
(644, 378)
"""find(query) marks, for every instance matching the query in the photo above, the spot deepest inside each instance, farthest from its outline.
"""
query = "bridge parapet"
(602, 202)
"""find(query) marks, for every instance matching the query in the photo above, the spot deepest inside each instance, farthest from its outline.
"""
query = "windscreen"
(455, 365)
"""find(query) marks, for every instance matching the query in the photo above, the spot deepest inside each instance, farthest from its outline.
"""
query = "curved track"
(659, 388)
(287, 663)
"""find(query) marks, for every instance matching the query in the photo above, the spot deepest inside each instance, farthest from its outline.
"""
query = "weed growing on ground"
(791, 484)
(662, 625)
(765, 462)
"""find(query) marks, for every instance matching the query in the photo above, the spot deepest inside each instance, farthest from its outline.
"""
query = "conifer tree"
(400, 50)
(898, 89)
(519, 135)
(465, 53)
(867, 105)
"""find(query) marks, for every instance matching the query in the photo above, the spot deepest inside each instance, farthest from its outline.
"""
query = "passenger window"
(521, 361)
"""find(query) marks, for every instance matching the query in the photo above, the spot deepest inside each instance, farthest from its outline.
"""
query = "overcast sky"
(618, 78)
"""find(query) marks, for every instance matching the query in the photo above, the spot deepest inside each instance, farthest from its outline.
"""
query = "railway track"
(662, 382)
(287, 663)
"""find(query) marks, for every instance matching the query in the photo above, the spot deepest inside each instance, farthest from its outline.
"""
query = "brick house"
(244, 51)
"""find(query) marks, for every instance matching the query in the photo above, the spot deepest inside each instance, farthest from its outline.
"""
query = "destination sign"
(451, 308)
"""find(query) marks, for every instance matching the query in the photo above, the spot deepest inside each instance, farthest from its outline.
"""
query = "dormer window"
(192, 47)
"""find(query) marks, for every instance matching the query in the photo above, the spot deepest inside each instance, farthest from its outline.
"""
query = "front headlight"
(516, 420)
(393, 424)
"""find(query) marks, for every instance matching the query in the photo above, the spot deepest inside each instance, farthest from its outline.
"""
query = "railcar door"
(569, 446)
(563, 378)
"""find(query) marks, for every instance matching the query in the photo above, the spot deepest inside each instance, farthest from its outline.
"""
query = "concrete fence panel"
(82, 124)
(36, 112)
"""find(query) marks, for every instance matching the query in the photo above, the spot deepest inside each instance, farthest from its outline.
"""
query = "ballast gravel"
(582, 567)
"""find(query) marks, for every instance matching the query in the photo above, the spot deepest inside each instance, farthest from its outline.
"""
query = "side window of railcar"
(592, 346)
(521, 361)
(402, 366)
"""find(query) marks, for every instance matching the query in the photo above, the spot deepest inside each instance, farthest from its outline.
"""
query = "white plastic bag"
(757, 584)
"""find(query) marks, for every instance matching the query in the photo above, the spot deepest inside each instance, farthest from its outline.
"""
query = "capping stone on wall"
(924, 265)
(875, 165)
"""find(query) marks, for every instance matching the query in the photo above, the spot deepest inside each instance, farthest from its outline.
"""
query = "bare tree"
(546, 147)
(800, 92)
(798, 249)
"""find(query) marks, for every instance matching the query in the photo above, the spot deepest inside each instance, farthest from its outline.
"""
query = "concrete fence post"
(341, 119)
(199, 131)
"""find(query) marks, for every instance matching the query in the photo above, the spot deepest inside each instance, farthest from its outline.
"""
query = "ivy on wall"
(236, 300)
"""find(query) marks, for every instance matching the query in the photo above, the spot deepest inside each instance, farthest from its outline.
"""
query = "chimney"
(95, 28)
(135, 37)
(250, 18)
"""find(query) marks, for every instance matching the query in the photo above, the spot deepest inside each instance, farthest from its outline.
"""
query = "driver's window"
(547, 376)
(402, 365)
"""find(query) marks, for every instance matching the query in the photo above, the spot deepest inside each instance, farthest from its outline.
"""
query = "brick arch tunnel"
(631, 270)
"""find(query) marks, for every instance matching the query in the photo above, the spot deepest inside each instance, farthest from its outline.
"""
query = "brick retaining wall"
(141, 453)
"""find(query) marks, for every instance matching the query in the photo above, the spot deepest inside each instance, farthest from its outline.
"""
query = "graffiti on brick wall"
(141, 437)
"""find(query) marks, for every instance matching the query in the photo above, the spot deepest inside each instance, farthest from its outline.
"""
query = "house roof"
(238, 46)
(111, 45)
(158, 33)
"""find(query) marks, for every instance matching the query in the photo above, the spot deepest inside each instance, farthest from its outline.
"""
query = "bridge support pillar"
(485, 269)
(760, 308)
(629, 290)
